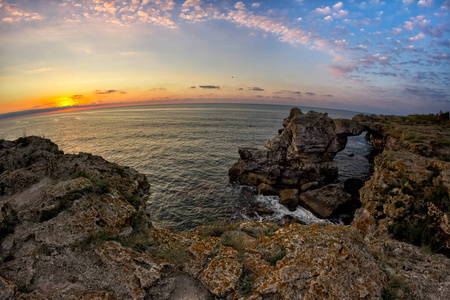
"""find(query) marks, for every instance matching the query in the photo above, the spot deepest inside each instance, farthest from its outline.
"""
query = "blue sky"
(373, 56)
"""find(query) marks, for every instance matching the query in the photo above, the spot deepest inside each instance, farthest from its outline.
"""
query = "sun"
(65, 101)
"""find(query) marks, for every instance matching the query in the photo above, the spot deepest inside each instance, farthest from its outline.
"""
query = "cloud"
(294, 92)
(425, 3)
(40, 70)
(189, 3)
(338, 5)
(427, 93)
(372, 59)
(310, 94)
(383, 73)
(340, 69)
(377, 2)
(328, 10)
(193, 87)
(209, 87)
(100, 92)
(76, 97)
(340, 14)
(324, 10)
(408, 2)
(330, 96)
(128, 12)
(257, 89)
(417, 38)
(275, 26)
(193, 12)
(446, 5)
(362, 48)
(16, 14)
(239, 5)
(158, 89)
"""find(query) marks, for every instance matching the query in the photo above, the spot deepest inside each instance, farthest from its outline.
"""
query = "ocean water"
(185, 151)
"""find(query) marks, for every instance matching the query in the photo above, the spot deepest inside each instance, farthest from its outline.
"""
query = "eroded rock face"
(301, 154)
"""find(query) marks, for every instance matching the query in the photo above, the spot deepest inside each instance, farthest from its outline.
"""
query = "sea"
(186, 150)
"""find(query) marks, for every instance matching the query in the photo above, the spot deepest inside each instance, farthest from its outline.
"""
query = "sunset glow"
(372, 56)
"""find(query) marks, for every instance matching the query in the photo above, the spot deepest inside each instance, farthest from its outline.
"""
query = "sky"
(389, 57)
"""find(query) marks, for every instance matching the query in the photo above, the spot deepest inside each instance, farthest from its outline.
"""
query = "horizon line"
(70, 108)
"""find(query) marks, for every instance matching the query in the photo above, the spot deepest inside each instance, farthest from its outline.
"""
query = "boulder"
(309, 186)
(289, 197)
(324, 201)
(266, 190)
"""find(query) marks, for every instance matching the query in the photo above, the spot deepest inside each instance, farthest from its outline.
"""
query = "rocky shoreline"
(76, 226)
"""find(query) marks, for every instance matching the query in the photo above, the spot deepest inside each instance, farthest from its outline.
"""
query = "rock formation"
(408, 194)
(299, 158)
(76, 227)
(53, 206)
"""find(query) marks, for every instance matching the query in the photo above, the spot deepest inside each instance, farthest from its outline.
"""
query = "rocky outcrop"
(300, 155)
(408, 194)
(54, 207)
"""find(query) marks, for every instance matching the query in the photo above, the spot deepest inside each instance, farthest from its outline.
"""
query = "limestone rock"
(222, 273)
(138, 271)
(302, 153)
(346, 127)
(338, 265)
(406, 196)
(267, 190)
(7, 289)
(309, 186)
(289, 197)
(324, 201)
(55, 209)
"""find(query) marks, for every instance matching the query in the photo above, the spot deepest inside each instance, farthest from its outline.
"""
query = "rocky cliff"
(76, 227)
(408, 194)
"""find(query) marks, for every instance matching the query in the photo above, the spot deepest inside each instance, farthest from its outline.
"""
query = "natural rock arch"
(299, 160)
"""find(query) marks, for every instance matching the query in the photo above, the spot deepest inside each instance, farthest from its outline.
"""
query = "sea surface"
(185, 151)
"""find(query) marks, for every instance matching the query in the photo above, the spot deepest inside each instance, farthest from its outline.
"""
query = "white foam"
(300, 213)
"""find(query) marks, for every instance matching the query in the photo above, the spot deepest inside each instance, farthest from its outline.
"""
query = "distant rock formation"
(299, 158)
